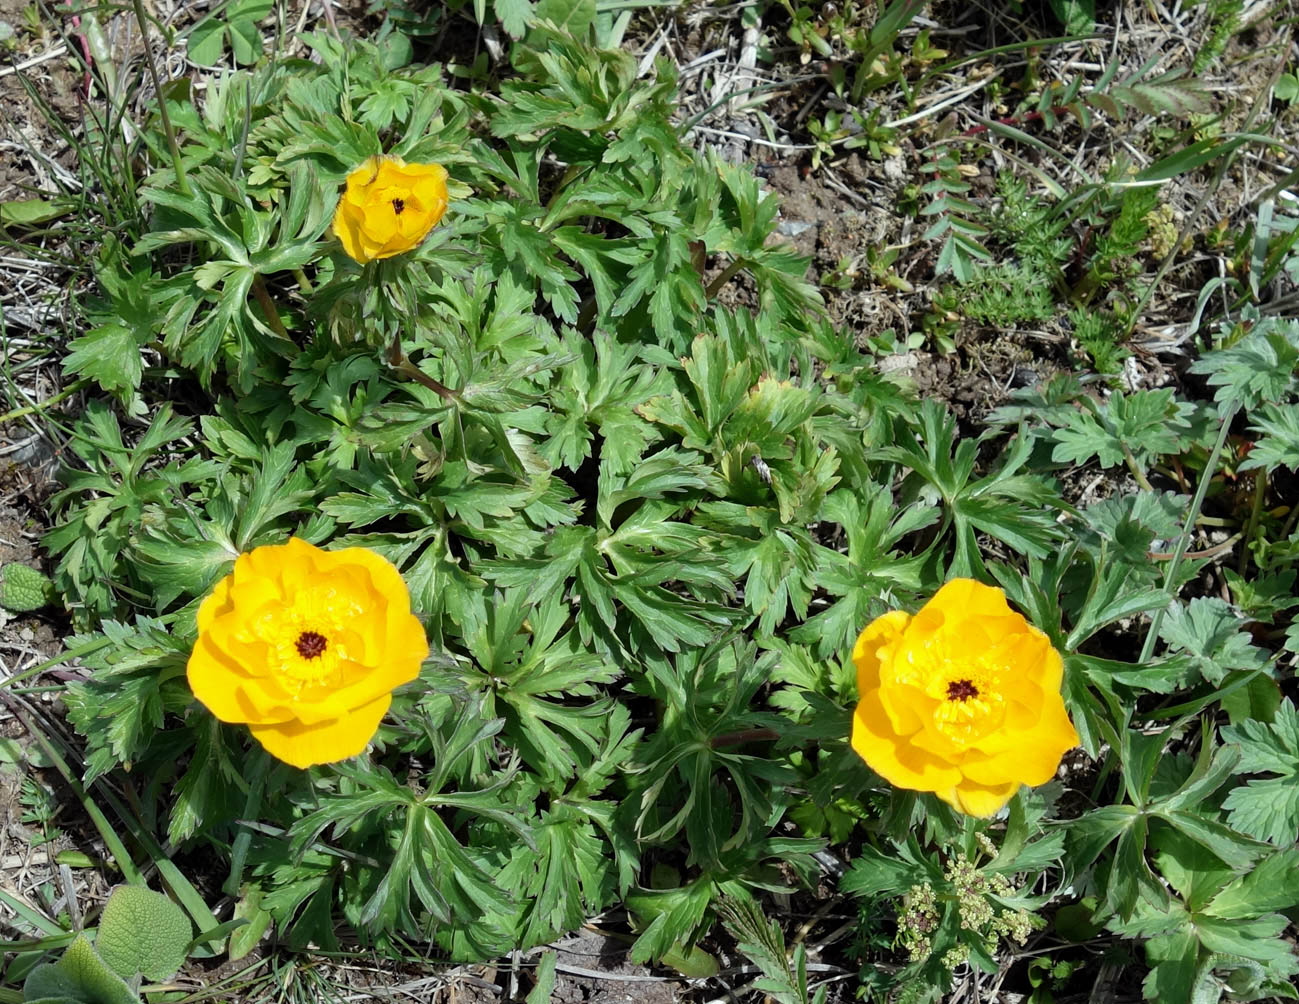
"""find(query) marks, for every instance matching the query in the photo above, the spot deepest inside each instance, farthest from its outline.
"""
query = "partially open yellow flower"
(963, 699)
(389, 207)
(306, 647)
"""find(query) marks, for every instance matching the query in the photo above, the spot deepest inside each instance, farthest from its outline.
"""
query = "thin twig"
(44, 57)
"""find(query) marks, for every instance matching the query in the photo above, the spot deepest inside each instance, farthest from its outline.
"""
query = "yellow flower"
(389, 207)
(963, 699)
(306, 647)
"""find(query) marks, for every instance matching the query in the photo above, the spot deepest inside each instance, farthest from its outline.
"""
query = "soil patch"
(34, 69)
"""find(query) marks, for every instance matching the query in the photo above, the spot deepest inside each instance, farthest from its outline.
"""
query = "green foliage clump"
(643, 523)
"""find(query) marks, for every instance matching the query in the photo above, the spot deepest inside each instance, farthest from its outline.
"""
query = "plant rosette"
(962, 699)
(305, 647)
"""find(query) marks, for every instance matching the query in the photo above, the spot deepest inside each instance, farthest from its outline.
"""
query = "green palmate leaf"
(1145, 423)
(537, 675)
(1277, 429)
(109, 355)
(662, 474)
(1211, 634)
(1128, 525)
(600, 392)
(870, 567)
(1257, 368)
(136, 679)
(237, 24)
(668, 919)
(1172, 957)
(780, 571)
(515, 15)
(1272, 885)
(1077, 17)
(572, 877)
(1236, 850)
(873, 873)
(800, 676)
(1196, 873)
(1111, 598)
(1263, 597)
(1267, 808)
(708, 694)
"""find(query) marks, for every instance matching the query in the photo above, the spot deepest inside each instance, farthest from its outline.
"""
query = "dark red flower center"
(311, 645)
(398, 205)
(960, 690)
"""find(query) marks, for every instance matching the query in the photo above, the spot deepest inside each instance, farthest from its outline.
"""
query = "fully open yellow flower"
(963, 699)
(306, 647)
(389, 207)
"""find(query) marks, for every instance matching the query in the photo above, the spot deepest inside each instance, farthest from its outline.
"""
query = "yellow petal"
(977, 800)
(226, 691)
(394, 671)
(891, 756)
(348, 234)
(966, 598)
(364, 174)
(301, 745)
(879, 633)
(215, 603)
(1050, 672)
(392, 172)
(1034, 760)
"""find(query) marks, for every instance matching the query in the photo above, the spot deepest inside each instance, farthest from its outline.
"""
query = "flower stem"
(1138, 475)
(182, 182)
(1288, 526)
(1255, 510)
(726, 275)
(743, 736)
(49, 402)
(1208, 552)
(268, 306)
(398, 361)
(1188, 526)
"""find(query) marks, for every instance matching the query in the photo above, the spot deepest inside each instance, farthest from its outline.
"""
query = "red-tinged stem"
(743, 736)
(268, 306)
(1014, 120)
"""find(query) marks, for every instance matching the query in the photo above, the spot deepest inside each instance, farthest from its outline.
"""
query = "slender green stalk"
(723, 278)
(1135, 470)
(49, 402)
(244, 838)
(121, 856)
(1255, 510)
(1188, 527)
(1288, 527)
(401, 364)
(182, 182)
(263, 297)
